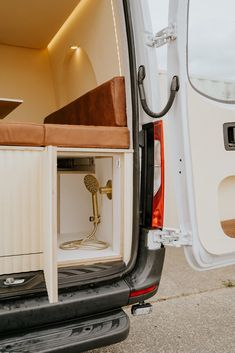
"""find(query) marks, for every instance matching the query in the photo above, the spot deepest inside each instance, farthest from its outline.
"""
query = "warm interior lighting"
(116, 37)
(66, 25)
(74, 47)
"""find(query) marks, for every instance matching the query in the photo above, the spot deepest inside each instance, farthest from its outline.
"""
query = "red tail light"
(158, 198)
(152, 175)
(137, 293)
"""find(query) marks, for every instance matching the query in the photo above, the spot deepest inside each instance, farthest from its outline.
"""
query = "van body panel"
(199, 159)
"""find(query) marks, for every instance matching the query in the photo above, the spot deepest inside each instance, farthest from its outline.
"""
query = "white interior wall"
(75, 204)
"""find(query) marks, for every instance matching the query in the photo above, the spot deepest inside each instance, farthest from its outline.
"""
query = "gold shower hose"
(89, 241)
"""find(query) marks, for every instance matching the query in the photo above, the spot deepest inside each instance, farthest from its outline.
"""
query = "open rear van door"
(202, 126)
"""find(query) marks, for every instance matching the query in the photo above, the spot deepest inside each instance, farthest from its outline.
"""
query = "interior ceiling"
(32, 23)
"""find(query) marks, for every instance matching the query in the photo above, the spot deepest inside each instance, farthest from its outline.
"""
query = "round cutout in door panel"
(226, 197)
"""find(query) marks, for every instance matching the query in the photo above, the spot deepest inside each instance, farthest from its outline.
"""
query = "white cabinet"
(28, 200)
(21, 217)
(42, 207)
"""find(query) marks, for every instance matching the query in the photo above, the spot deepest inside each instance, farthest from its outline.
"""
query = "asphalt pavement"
(193, 312)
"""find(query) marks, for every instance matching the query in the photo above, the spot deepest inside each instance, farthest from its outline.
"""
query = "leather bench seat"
(79, 136)
(105, 105)
(95, 120)
(86, 136)
(22, 134)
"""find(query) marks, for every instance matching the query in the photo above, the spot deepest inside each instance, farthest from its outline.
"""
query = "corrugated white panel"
(20, 206)
(50, 224)
(25, 263)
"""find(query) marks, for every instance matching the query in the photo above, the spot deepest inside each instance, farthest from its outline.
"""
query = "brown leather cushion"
(103, 106)
(27, 134)
(21, 134)
(86, 136)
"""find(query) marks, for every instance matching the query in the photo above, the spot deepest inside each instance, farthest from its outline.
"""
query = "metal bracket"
(11, 281)
(168, 237)
(162, 37)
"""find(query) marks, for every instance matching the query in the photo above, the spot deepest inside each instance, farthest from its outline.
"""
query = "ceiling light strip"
(116, 37)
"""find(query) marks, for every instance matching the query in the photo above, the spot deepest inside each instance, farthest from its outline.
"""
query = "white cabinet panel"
(50, 224)
(20, 209)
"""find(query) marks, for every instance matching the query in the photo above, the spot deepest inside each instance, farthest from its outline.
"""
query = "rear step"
(68, 277)
(71, 336)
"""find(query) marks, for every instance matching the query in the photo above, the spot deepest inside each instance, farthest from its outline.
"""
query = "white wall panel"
(20, 208)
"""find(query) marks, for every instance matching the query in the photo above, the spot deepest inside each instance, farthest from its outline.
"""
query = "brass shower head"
(91, 184)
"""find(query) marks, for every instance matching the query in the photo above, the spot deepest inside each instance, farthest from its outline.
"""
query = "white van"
(87, 155)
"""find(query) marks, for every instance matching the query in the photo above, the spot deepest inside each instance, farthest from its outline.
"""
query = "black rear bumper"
(72, 336)
(33, 312)
(24, 314)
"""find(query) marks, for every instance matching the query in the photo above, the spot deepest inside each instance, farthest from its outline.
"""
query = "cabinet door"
(28, 232)
(49, 210)
(21, 219)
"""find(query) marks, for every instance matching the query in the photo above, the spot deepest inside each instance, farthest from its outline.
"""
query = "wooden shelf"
(7, 105)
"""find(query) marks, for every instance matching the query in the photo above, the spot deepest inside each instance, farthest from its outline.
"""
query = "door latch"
(173, 89)
(162, 37)
(168, 237)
